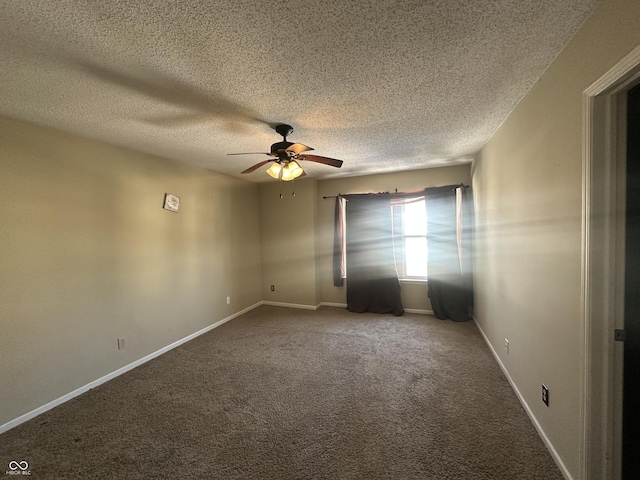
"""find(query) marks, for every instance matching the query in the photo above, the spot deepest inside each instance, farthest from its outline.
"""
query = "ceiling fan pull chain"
(293, 192)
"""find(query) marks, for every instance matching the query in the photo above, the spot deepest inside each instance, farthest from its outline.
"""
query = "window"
(410, 237)
(409, 231)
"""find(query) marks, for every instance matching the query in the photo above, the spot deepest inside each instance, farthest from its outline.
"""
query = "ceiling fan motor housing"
(280, 149)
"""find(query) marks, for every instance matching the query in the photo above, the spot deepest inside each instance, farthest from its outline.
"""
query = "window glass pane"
(416, 256)
(415, 218)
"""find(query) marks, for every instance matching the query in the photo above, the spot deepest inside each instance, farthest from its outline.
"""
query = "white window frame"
(399, 236)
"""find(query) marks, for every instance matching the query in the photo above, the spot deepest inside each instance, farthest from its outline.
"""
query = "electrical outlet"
(122, 342)
(228, 300)
(273, 288)
(506, 345)
(545, 395)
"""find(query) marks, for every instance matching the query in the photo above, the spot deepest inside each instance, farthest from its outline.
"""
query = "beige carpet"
(281, 393)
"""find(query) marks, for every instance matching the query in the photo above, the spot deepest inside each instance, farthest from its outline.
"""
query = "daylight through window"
(410, 237)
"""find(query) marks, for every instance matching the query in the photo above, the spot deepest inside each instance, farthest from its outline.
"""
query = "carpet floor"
(281, 393)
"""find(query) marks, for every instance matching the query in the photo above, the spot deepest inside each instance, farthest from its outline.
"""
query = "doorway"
(631, 358)
(611, 272)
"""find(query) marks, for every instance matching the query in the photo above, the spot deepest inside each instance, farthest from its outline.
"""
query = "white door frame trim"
(599, 196)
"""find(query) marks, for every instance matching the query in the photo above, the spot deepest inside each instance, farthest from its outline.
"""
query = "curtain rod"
(396, 192)
(356, 194)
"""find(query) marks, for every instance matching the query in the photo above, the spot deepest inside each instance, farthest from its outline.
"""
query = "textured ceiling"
(381, 84)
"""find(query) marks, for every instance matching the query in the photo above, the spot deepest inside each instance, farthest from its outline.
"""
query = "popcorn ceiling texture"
(382, 85)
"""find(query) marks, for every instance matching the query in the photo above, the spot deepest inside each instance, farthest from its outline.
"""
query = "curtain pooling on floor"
(372, 278)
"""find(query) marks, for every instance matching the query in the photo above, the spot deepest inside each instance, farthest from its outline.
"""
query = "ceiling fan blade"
(256, 166)
(298, 148)
(326, 160)
(250, 153)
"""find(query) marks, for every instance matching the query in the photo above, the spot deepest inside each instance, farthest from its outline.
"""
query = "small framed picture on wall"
(171, 202)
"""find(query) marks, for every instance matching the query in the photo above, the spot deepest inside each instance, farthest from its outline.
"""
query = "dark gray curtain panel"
(449, 243)
(372, 279)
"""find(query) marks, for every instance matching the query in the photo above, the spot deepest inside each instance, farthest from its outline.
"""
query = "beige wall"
(88, 255)
(288, 226)
(527, 187)
(414, 295)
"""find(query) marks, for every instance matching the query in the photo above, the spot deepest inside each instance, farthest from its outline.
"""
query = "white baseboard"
(289, 305)
(79, 391)
(525, 405)
(417, 310)
(331, 304)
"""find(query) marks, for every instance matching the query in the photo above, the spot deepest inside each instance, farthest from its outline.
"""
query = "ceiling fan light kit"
(287, 172)
(286, 157)
(274, 170)
(293, 170)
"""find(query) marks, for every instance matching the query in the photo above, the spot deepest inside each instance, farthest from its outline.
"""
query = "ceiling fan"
(286, 156)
